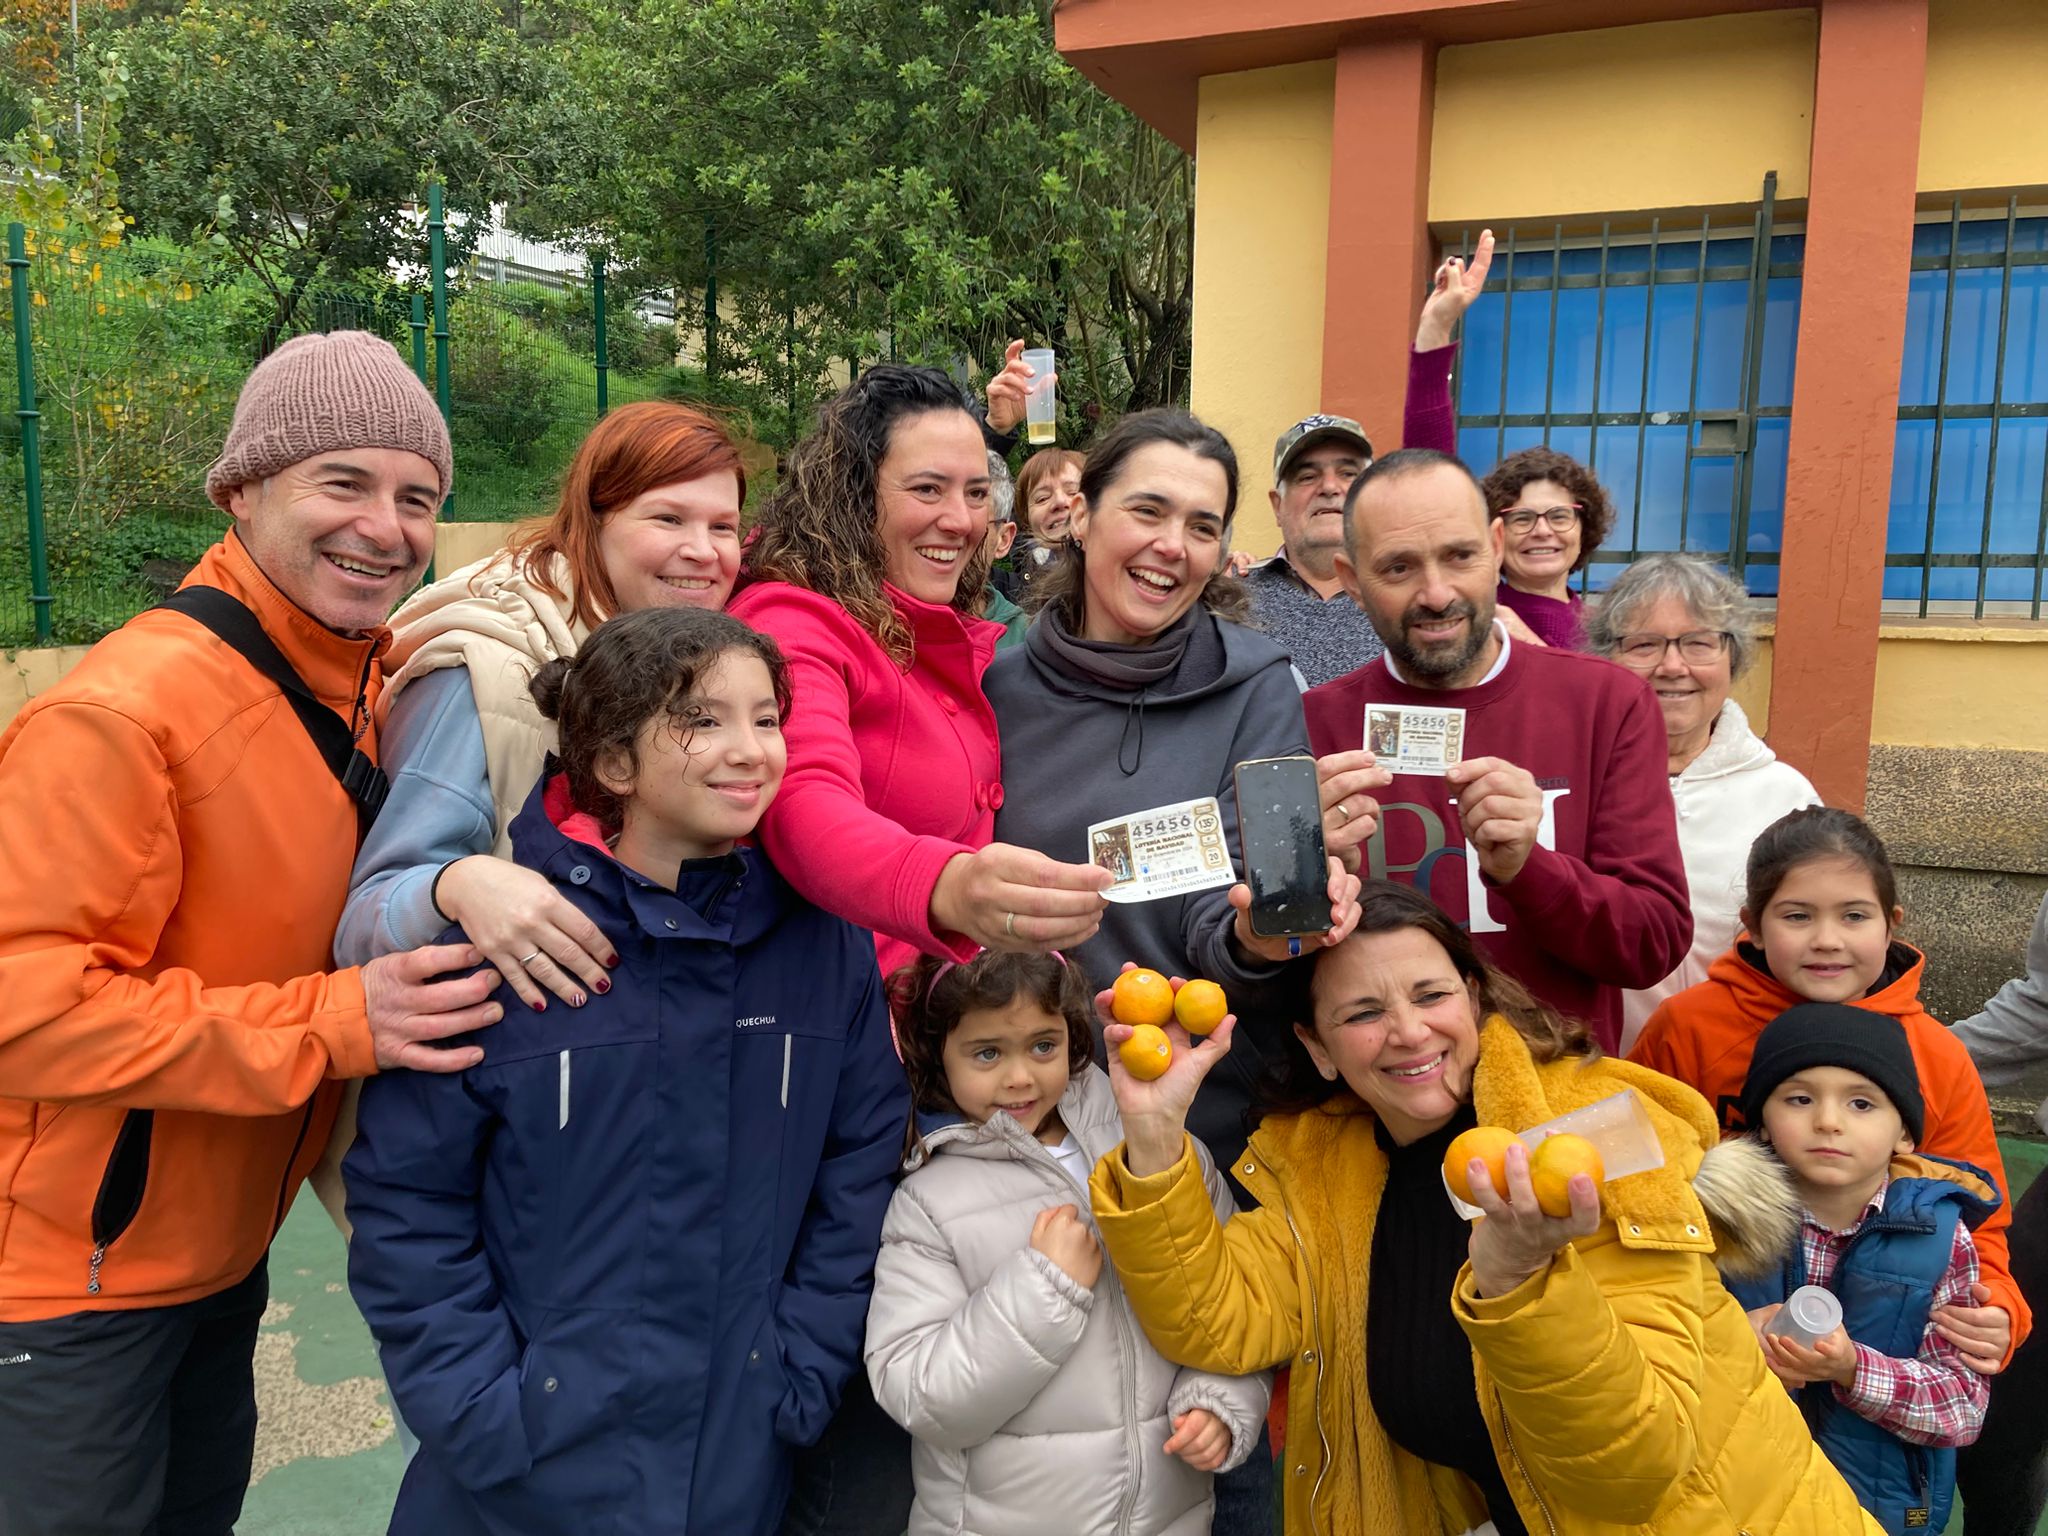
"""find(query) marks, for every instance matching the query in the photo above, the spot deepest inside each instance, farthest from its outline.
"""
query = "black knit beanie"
(1835, 1035)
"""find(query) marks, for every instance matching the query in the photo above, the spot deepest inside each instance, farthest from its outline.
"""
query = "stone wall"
(1968, 834)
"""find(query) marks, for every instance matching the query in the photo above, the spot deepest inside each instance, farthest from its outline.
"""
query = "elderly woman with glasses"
(1688, 631)
(1553, 514)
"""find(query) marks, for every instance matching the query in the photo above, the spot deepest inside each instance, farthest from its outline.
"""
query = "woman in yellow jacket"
(1557, 1376)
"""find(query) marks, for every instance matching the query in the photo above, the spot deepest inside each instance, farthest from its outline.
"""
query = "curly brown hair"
(1063, 585)
(821, 530)
(638, 667)
(1386, 906)
(929, 996)
(1596, 510)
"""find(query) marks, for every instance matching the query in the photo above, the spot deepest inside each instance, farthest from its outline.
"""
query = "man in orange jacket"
(172, 1039)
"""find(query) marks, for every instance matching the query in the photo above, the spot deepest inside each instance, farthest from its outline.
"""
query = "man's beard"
(1436, 664)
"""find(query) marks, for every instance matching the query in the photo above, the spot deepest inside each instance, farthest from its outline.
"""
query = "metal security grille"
(1663, 358)
(1968, 517)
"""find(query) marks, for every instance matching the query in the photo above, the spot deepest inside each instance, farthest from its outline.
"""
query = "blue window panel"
(1519, 438)
(1573, 442)
(1912, 465)
(1614, 463)
(1920, 366)
(1728, 253)
(1781, 342)
(1671, 347)
(1788, 248)
(1762, 580)
(1973, 333)
(1475, 447)
(1664, 467)
(1981, 237)
(1723, 328)
(2016, 498)
(1767, 487)
(1479, 376)
(1621, 362)
(1930, 239)
(1571, 366)
(2026, 334)
(1528, 339)
(1709, 521)
(1582, 261)
(1526, 265)
(1675, 253)
(1959, 499)
(1599, 575)
(1628, 258)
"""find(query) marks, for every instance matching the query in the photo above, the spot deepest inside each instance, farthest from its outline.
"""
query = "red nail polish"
(603, 984)
(611, 962)
(541, 1006)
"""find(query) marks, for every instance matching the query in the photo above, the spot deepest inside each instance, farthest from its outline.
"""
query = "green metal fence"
(134, 367)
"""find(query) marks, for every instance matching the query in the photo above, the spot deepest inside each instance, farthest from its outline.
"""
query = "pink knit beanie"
(319, 393)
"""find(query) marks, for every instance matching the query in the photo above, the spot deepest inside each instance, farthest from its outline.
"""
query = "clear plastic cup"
(1039, 404)
(1619, 1129)
(1809, 1315)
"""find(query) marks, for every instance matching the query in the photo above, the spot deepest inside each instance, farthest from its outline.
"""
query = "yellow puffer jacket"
(1623, 1387)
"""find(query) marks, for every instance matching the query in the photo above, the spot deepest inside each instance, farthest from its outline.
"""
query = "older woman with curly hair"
(1553, 513)
(868, 567)
(1687, 629)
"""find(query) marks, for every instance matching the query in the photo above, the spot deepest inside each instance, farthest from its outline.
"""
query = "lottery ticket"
(1409, 739)
(1166, 851)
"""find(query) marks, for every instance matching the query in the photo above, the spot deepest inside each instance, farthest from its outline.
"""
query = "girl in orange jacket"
(1820, 907)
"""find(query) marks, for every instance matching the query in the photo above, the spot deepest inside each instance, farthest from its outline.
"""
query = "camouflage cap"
(1311, 430)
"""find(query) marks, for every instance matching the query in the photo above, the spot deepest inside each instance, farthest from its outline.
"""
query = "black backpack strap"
(229, 618)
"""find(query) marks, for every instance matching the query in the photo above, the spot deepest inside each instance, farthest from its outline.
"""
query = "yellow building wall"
(1987, 82)
(1262, 234)
(1669, 114)
(1963, 685)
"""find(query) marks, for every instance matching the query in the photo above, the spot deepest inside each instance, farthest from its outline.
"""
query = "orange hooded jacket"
(176, 856)
(1705, 1035)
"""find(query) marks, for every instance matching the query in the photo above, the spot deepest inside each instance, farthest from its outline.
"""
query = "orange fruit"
(1488, 1143)
(1200, 1006)
(1147, 1053)
(1141, 997)
(1552, 1165)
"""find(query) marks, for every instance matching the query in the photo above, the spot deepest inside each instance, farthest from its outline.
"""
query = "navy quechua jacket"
(618, 1270)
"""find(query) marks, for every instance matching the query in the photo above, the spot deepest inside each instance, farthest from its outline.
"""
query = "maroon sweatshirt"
(1601, 904)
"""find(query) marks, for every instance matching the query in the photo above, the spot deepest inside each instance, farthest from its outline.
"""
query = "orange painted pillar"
(1845, 387)
(1380, 250)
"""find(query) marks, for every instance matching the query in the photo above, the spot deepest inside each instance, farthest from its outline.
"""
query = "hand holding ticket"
(1166, 851)
(1409, 739)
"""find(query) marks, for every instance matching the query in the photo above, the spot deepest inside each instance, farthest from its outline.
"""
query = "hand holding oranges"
(1533, 1203)
(1155, 1065)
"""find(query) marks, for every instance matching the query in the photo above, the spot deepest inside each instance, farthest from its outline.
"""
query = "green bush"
(503, 391)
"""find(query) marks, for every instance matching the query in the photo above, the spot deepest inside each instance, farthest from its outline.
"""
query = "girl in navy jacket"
(620, 1268)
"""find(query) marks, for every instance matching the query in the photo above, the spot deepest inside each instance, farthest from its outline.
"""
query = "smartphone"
(1280, 827)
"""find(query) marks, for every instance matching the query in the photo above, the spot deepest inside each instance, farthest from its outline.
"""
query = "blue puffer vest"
(1885, 1283)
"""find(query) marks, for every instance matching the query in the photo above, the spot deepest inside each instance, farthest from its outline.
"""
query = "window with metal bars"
(1968, 517)
(1663, 358)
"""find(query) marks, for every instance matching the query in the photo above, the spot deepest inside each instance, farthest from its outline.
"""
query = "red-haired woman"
(649, 516)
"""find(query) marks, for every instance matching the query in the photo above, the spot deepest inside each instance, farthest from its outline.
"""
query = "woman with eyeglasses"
(1553, 512)
(1688, 631)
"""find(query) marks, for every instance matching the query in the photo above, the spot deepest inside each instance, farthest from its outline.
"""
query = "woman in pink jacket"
(867, 569)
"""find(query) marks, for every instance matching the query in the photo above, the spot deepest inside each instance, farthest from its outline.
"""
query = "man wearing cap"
(1297, 597)
(180, 816)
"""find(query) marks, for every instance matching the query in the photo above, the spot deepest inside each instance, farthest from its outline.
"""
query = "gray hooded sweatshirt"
(1084, 741)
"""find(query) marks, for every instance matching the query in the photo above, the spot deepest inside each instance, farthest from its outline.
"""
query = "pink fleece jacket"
(891, 773)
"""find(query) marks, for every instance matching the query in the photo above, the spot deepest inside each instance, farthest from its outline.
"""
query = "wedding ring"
(1010, 924)
(1343, 810)
(529, 959)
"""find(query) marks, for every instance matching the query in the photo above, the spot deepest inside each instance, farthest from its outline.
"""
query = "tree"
(883, 176)
(292, 134)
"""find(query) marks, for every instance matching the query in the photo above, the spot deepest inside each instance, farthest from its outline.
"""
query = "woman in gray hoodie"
(1137, 688)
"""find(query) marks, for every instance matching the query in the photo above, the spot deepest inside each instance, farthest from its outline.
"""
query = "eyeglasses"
(1559, 519)
(1698, 646)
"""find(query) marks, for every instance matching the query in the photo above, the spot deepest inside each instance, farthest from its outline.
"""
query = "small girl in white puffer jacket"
(997, 1336)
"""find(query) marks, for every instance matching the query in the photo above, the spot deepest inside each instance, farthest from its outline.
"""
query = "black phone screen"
(1280, 824)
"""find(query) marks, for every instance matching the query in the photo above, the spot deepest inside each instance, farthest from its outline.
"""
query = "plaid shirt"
(1934, 1398)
